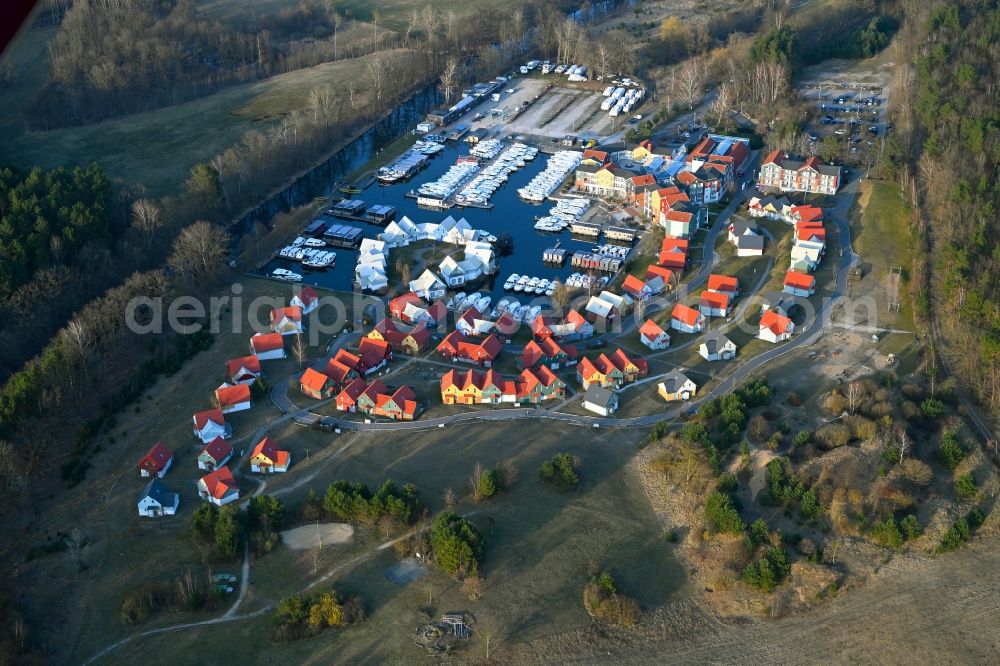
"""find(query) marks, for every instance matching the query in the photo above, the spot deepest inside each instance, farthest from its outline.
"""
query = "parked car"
(840, 132)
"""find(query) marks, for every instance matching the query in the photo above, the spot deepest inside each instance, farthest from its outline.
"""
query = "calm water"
(509, 215)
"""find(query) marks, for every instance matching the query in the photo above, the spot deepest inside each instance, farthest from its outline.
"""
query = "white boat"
(455, 300)
(483, 304)
(315, 242)
(521, 283)
(551, 289)
(509, 283)
(542, 286)
(518, 314)
(532, 283)
(532, 313)
(499, 309)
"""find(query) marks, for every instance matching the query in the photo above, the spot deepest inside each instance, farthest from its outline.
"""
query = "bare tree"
(412, 24)
(199, 250)
(299, 350)
(147, 220)
(376, 71)
(903, 443)
(691, 82)
(854, 390)
(449, 498)
(723, 103)
(75, 544)
(80, 339)
(449, 77)
(338, 19)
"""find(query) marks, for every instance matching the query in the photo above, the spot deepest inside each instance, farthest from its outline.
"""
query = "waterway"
(510, 214)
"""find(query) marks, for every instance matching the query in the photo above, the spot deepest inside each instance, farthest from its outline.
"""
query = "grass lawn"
(158, 148)
(880, 227)
(539, 544)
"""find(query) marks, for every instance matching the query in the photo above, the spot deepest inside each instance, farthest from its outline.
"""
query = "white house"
(654, 337)
(716, 347)
(307, 299)
(267, 346)
(219, 487)
(775, 327)
(211, 424)
(370, 272)
(676, 386)
(805, 258)
(155, 500)
(686, 320)
(232, 398)
(428, 286)
(600, 400)
(778, 301)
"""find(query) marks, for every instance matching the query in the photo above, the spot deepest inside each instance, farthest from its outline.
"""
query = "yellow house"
(642, 152)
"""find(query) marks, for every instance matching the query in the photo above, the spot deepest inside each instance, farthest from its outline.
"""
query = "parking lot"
(849, 103)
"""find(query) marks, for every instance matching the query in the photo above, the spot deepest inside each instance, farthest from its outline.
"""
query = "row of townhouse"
(780, 172)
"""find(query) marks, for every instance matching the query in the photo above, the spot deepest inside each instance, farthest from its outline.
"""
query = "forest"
(950, 125)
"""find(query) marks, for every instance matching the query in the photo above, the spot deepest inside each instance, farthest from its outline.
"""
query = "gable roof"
(219, 483)
(307, 295)
(713, 341)
(218, 450)
(633, 285)
(372, 351)
(202, 418)
(598, 395)
(265, 342)
(799, 280)
(156, 458)
(267, 448)
(674, 381)
(778, 324)
(292, 313)
(314, 380)
(159, 493)
(651, 329)
(249, 363)
(232, 395)
(684, 314)
(718, 282)
(714, 299)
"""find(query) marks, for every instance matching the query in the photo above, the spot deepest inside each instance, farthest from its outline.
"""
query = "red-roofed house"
(268, 346)
(726, 283)
(799, 284)
(535, 386)
(471, 387)
(402, 307)
(673, 253)
(780, 172)
(307, 299)
(546, 351)
(267, 458)
(806, 213)
(374, 355)
(215, 454)
(661, 272)
(233, 398)
(287, 321)
(316, 385)
(210, 424)
(399, 405)
(775, 327)
(156, 462)
(613, 371)
(686, 320)
(218, 487)
(636, 288)
(714, 303)
(456, 347)
(341, 369)
(244, 370)
(408, 342)
(654, 337)
(635, 185)
(347, 399)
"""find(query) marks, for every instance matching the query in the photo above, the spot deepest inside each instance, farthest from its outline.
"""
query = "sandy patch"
(310, 536)
(758, 480)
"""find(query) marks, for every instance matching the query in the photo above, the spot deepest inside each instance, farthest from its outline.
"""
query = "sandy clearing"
(308, 536)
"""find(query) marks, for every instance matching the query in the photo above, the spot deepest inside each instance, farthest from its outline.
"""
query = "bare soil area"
(317, 536)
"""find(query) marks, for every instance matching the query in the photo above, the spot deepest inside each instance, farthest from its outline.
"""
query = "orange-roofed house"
(410, 342)
(596, 157)
(156, 462)
(636, 186)
(210, 424)
(661, 272)
(340, 370)
(610, 371)
(471, 387)
(287, 321)
(673, 253)
(218, 487)
(398, 405)
(315, 384)
(215, 454)
(686, 320)
(793, 214)
(267, 458)
(307, 299)
(636, 288)
(456, 347)
(374, 355)
(799, 284)
(726, 283)
(547, 352)
(244, 370)
(404, 305)
(267, 346)
(347, 399)
(714, 303)
(233, 398)
(775, 327)
(539, 385)
(654, 337)
(679, 223)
